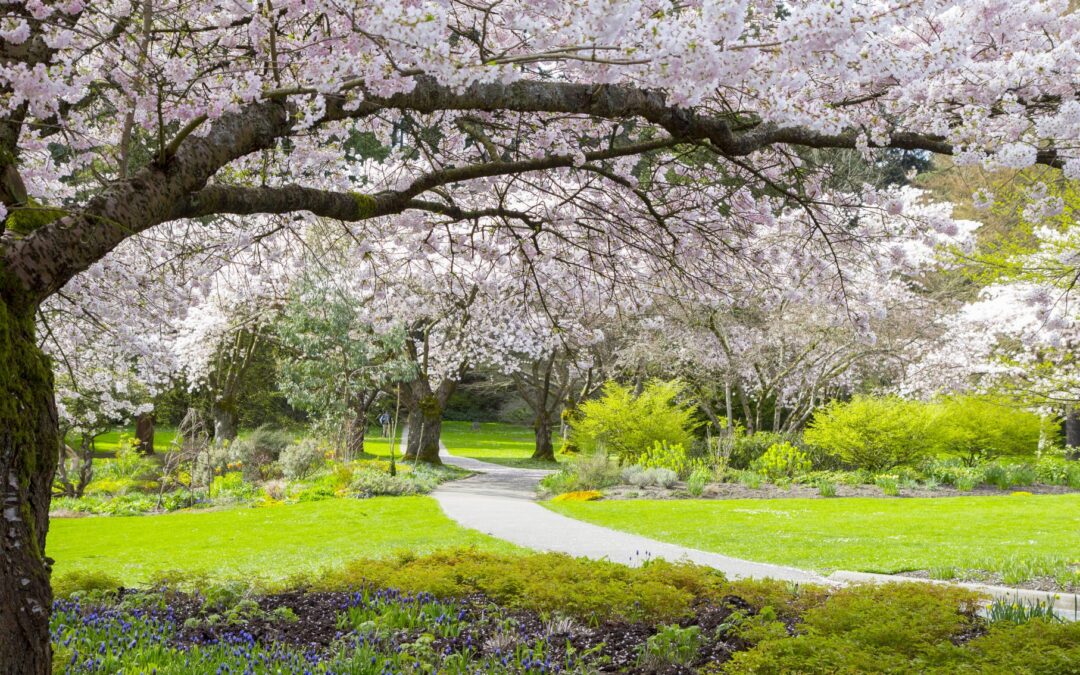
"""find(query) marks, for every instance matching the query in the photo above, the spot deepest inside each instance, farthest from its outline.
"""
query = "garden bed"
(466, 612)
(798, 491)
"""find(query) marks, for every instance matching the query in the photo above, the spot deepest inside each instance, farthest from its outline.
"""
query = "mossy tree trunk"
(223, 412)
(545, 450)
(425, 407)
(29, 448)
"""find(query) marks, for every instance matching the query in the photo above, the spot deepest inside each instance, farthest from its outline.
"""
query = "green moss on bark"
(26, 219)
(365, 205)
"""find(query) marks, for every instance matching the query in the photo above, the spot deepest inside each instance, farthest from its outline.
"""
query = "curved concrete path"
(500, 501)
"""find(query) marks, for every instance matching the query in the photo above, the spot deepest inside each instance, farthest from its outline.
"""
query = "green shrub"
(259, 450)
(127, 465)
(1058, 471)
(743, 449)
(592, 471)
(664, 455)
(231, 487)
(977, 427)
(782, 460)
(697, 481)
(546, 582)
(370, 481)
(302, 459)
(83, 581)
(625, 425)
(867, 628)
(873, 433)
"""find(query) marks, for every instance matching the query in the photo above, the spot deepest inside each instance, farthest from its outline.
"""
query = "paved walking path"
(501, 501)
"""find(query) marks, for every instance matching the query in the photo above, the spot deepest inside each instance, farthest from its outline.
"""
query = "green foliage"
(782, 460)
(331, 357)
(259, 450)
(898, 621)
(664, 455)
(547, 582)
(301, 459)
(583, 472)
(84, 581)
(699, 478)
(976, 427)
(742, 450)
(874, 433)
(889, 484)
(826, 488)
(671, 645)
(1004, 611)
(1058, 471)
(626, 425)
(372, 482)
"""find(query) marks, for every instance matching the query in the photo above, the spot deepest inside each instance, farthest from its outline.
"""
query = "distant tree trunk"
(728, 409)
(144, 434)
(224, 413)
(354, 446)
(1072, 432)
(544, 448)
(29, 442)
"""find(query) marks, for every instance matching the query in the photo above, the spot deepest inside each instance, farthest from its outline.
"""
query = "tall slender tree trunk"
(544, 448)
(224, 413)
(29, 443)
(144, 434)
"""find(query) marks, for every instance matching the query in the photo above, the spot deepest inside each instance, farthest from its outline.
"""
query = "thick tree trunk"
(224, 414)
(144, 434)
(425, 427)
(29, 442)
(544, 448)
(357, 433)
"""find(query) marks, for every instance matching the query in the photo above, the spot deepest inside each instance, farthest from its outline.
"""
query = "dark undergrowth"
(464, 611)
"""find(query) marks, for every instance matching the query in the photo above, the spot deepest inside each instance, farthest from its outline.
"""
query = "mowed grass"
(999, 534)
(506, 444)
(266, 543)
(109, 442)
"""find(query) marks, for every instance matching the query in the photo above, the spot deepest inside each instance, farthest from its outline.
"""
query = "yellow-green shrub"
(782, 460)
(874, 433)
(626, 425)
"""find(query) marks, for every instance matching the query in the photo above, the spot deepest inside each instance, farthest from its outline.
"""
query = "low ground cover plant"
(462, 612)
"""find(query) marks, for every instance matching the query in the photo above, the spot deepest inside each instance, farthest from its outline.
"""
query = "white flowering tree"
(669, 130)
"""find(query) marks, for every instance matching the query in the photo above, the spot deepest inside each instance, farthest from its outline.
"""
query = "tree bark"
(224, 414)
(29, 442)
(357, 433)
(544, 448)
(144, 434)
(1072, 432)
(425, 427)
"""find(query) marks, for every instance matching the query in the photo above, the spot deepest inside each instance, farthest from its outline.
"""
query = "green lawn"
(507, 444)
(268, 543)
(1015, 535)
(109, 442)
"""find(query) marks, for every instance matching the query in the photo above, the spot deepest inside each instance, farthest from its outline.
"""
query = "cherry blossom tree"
(669, 129)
